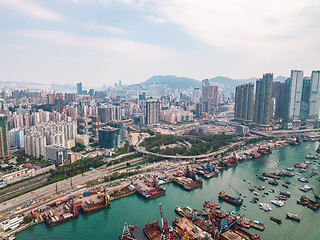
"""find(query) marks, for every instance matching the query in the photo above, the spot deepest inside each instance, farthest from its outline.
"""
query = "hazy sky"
(104, 41)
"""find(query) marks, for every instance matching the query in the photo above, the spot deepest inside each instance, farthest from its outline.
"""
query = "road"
(62, 186)
(207, 155)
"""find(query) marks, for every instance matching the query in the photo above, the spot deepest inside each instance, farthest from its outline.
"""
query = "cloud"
(31, 9)
(103, 2)
(117, 45)
(249, 26)
(105, 28)
(156, 19)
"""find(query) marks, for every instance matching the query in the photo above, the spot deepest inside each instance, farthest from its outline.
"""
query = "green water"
(108, 224)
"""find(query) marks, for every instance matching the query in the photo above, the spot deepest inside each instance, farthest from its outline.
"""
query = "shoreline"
(275, 145)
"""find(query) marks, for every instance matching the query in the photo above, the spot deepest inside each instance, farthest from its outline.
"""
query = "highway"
(201, 156)
(63, 185)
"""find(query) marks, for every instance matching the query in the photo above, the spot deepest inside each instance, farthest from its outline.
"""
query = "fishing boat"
(278, 203)
(287, 194)
(294, 217)
(265, 207)
(303, 180)
(277, 220)
(273, 182)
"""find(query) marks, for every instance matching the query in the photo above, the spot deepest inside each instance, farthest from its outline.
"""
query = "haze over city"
(159, 119)
(102, 42)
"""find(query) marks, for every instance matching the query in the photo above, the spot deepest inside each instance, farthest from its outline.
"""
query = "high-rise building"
(56, 154)
(210, 95)
(4, 137)
(293, 94)
(196, 95)
(278, 92)
(199, 110)
(244, 102)
(305, 98)
(91, 92)
(152, 112)
(16, 138)
(109, 137)
(263, 106)
(109, 113)
(79, 88)
(314, 110)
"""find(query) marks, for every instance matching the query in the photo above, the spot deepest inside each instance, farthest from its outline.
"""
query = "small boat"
(262, 178)
(303, 180)
(265, 207)
(271, 190)
(287, 194)
(251, 189)
(278, 203)
(290, 168)
(281, 197)
(255, 193)
(293, 217)
(287, 182)
(285, 185)
(273, 182)
(260, 188)
(277, 220)
(244, 208)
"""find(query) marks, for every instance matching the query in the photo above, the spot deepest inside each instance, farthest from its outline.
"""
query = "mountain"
(228, 85)
(173, 81)
(280, 79)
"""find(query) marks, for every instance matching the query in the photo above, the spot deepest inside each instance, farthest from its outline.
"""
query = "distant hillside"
(280, 79)
(173, 81)
(228, 85)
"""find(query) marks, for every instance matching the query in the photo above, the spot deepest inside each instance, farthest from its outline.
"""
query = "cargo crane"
(74, 208)
(105, 196)
(208, 167)
(224, 224)
(236, 196)
(165, 235)
(236, 199)
(126, 234)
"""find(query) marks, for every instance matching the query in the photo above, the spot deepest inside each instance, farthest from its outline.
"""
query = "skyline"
(110, 40)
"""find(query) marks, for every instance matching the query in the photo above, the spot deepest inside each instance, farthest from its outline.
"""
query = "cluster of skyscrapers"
(295, 103)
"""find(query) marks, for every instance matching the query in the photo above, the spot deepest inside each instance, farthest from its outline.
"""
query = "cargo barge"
(270, 175)
(189, 181)
(149, 193)
(236, 200)
(152, 230)
(52, 220)
(90, 206)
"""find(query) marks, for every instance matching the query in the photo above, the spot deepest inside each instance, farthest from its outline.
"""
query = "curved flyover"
(207, 155)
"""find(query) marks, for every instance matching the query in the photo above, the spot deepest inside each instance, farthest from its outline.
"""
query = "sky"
(103, 41)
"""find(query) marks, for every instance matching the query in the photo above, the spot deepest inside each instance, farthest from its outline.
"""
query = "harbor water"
(108, 224)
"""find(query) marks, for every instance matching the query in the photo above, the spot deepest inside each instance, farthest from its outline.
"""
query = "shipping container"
(86, 193)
